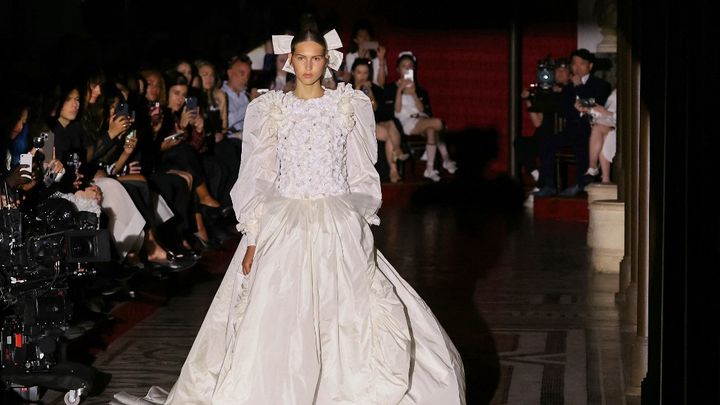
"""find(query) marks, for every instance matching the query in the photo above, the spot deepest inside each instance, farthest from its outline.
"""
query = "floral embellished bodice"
(307, 149)
(311, 148)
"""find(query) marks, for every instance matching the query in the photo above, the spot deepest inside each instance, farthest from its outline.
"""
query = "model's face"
(361, 73)
(71, 106)
(152, 93)
(176, 96)
(207, 75)
(309, 61)
(19, 125)
(580, 67)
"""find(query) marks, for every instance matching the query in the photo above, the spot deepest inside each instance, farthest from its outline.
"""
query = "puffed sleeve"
(259, 164)
(362, 150)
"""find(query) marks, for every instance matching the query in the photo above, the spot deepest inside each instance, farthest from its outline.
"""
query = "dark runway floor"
(534, 325)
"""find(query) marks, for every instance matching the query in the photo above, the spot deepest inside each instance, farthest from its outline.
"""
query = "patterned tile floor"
(534, 325)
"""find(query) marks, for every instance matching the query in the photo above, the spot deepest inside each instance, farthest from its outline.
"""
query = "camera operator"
(543, 103)
(576, 133)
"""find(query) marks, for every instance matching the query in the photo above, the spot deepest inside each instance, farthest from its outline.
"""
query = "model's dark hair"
(308, 35)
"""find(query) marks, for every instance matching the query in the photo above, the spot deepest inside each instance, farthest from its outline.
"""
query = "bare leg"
(395, 139)
(185, 175)
(382, 134)
(604, 164)
(597, 139)
(155, 252)
(205, 197)
(201, 230)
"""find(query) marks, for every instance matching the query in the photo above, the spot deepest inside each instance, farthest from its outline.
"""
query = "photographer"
(543, 105)
(588, 89)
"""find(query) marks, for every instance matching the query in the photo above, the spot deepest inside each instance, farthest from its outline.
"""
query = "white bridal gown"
(322, 318)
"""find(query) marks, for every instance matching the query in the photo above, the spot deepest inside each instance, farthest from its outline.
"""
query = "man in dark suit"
(583, 88)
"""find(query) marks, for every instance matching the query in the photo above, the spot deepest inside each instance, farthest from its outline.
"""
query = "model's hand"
(248, 259)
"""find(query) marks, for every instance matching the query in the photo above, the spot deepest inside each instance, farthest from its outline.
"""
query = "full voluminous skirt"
(322, 318)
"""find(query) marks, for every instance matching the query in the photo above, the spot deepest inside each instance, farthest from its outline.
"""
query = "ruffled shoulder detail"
(269, 108)
(358, 117)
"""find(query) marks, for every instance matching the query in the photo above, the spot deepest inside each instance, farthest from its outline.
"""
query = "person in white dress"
(602, 136)
(309, 311)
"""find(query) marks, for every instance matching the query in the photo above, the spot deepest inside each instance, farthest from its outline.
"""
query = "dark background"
(45, 40)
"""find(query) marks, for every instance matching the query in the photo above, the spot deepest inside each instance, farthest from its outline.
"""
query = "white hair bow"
(282, 45)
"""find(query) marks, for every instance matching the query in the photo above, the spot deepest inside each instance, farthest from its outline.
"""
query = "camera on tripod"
(544, 75)
(40, 252)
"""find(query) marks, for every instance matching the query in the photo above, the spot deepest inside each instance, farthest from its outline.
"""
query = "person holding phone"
(410, 104)
(366, 47)
(14, 172)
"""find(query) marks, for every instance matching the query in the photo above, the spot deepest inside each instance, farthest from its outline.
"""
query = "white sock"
(443, 151)
(431, 150)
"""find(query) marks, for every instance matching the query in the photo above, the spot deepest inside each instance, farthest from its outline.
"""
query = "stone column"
(630, 313)
(640, 346)
(622, 164)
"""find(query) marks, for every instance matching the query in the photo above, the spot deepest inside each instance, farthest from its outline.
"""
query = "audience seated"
(407, 101)
(386, 130)
(363, 45)
(576, 133)
(602, 137)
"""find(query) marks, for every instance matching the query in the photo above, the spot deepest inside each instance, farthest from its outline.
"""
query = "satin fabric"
(322, 318)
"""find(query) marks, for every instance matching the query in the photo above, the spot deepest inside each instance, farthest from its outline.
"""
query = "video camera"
(542, 96)
(40, 252)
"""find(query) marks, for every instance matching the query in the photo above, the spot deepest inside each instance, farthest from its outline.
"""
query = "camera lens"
(38, 141)
(80, 247)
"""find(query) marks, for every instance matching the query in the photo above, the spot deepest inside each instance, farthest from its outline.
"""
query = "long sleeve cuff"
(249, 231)
(250, 237)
